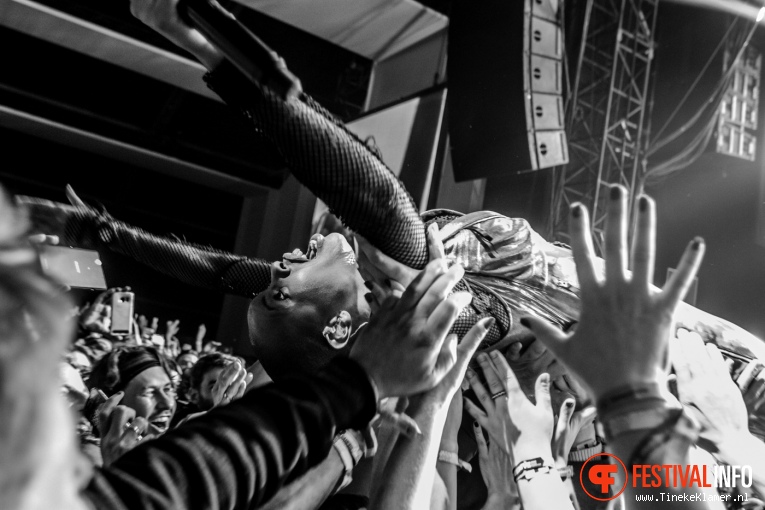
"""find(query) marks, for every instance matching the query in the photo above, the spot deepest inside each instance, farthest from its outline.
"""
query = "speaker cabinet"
(505, 75)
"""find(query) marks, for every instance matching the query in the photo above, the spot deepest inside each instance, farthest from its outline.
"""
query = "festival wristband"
(614, 401)
(643, 419)
(453, 458)
(531, 468)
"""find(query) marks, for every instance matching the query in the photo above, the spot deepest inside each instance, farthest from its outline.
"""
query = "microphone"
(245, 50)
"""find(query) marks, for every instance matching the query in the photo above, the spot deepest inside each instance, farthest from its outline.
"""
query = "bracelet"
(583, 454)
(566, 472)
(453, 458)
(531, 468)
(749, 374)
(344, 445)
(351, 440)
(642, 419)
(613, 400)
(679, 425)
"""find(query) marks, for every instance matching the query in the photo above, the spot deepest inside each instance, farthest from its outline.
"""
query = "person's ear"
(337, 331)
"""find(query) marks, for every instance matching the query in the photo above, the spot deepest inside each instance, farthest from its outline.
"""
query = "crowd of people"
(444, 361)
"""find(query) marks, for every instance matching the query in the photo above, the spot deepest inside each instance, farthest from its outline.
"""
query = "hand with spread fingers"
(120, 429)
(402, 347)
(231, 384)
(385, 276)
(521, 428)
(623, 319)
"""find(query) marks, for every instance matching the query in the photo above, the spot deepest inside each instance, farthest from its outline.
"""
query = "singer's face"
(307, 292)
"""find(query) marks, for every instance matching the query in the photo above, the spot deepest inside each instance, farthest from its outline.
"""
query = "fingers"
(564, 419)
(476, 413)
(581, 247)
(135, 430)
(514, 351)
(473, 339)
(463, 352)
(447, 360)
(680, 281)
(717, 363)
(422, 283)
(435, 245)
(480, 391)
(105, 411)
(509, 380)
(120, 416)
(483, 448)
(447, 311)
(73, 198)
(644, 246)
(615, 250)
(551, 337)
(440, 289)
(241, 388)
(490, 373)
(542, 392)
(389, 267)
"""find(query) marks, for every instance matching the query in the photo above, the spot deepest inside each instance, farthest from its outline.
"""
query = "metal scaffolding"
(606, 110)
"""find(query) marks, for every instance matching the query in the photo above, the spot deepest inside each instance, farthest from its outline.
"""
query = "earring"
(338, 330)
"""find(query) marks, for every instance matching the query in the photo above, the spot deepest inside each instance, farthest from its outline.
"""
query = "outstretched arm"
(320, 151)
(196, 265)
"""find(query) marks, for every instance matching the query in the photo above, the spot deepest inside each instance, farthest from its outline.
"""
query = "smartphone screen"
(76, 268)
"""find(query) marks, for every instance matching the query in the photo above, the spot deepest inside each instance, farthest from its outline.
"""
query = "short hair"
(205, 364)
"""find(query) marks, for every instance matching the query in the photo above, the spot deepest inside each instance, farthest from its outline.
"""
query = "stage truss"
(606, 111)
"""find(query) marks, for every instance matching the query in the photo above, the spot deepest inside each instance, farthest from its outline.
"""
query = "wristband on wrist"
(582, 454)
(626, 396)
(642, 419)
(453, 458)
(531, 468)
(678, 426)
(350, 453)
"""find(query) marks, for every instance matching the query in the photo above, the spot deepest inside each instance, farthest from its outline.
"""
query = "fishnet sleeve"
(334, 164)
(196, 265)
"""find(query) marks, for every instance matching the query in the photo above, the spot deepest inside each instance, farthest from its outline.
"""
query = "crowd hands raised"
(618, 363)
(404, 419)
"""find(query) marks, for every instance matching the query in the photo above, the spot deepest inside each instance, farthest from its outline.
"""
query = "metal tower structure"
(606, 111)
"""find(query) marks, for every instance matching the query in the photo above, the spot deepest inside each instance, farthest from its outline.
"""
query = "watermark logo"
(600, 480)
(603, 477)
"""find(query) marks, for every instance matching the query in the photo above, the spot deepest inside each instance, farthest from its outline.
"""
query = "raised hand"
(231, 384)
(120, 429)
(567, 429)
(162, 16)
(519, 427)
(703, 381)
(98, 316)
(497, 472)
(402, 348)
(623, 319)
(385, 275)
